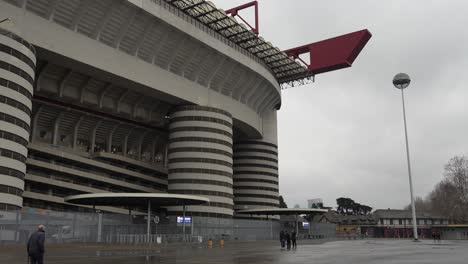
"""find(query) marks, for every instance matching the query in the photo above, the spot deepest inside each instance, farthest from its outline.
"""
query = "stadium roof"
(332, 54)
(283, 67)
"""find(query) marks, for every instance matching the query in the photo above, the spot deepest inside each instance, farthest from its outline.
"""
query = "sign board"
(156, 219)
(188, 219)
(305, 224)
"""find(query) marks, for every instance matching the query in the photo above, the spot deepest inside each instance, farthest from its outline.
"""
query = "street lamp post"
(401, 81)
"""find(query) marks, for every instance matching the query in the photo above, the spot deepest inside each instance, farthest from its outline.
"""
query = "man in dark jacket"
(36, 246)
(293, 239)
(288, 240)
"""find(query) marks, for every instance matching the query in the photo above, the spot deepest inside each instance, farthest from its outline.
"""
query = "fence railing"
(153, 239)
(76, 227)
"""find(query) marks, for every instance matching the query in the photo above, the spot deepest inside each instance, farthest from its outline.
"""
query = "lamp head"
(401, 80)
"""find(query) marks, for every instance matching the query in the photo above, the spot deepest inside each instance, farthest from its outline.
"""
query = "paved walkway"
(368, 251)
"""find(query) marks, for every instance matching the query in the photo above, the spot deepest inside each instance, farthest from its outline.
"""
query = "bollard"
(210, 243)
(221, 243)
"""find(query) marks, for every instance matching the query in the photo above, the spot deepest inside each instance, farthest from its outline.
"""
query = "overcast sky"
(343, 135)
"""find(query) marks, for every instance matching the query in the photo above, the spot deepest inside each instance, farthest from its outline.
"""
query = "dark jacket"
(36, 243)
(293, 236)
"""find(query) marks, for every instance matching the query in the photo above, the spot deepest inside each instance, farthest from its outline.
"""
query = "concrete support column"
(17, 73)
(200, 158)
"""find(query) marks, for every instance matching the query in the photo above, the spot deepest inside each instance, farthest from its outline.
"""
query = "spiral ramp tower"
(17, 72)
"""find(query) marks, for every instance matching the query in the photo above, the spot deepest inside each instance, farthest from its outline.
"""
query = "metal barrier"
(77, 227)
(152, 239)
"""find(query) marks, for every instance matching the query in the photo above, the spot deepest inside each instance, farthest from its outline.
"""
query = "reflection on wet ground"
(367, 251)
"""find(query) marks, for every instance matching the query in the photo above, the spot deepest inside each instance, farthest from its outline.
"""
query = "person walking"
(288, 240)
(36, 246)
(293, 239)
(282, 239)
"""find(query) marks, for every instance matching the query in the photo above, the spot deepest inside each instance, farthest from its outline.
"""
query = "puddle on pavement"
(136, 252)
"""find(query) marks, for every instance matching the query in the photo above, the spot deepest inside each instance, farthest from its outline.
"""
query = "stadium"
(143, 96)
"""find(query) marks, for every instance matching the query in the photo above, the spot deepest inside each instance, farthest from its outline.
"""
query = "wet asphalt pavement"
(360, 251)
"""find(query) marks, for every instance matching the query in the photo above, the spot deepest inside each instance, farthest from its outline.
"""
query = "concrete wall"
(458, 233)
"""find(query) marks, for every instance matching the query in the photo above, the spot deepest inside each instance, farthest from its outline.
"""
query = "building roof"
(282, 211)
(292, 218)
(402, 214)
(126, 199)
(334, 217)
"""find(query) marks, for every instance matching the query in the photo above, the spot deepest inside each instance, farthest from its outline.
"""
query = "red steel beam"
(334, 53)
(235, 12)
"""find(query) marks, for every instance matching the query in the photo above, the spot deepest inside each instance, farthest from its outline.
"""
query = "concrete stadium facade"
(132, 96)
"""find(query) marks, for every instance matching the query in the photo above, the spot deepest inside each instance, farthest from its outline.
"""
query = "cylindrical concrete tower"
(200, 158)
(255, 175)
(17, 66)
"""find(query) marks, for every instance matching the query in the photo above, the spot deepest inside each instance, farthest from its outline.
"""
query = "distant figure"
(36, 246)
(293, 239)
(288, 240)
(282, 239)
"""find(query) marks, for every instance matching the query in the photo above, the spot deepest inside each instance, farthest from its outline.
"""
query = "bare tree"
(421, 204)
(456, 171)
(445, 201)
(449, 198)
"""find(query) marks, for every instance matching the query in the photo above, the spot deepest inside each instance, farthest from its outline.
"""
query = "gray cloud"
(343, 135)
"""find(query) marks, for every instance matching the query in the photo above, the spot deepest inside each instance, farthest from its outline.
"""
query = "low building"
(349, 220)
(348, 225)
(387, 223)
(399, 223)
